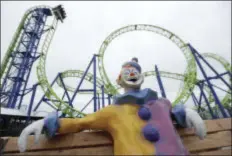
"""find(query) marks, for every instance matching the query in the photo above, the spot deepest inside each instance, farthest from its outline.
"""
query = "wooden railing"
(217, 142)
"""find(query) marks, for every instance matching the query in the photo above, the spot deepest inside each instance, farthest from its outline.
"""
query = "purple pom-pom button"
(144, 113)
(151, 133)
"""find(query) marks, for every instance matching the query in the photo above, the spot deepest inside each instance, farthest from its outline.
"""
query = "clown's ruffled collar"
(139, 97)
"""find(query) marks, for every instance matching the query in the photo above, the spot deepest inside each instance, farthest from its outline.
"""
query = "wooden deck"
(217, 142)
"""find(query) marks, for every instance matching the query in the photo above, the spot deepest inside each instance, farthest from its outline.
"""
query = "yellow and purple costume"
(143, 127)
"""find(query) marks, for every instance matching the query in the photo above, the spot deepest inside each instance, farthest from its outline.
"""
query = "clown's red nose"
(132, 74)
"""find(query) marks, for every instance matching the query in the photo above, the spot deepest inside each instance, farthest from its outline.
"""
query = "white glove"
(36, 128)
(193, 120)
(50, 123)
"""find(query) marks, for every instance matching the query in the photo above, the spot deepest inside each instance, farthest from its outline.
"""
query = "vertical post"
(217, 101)
(194, 98)
(206, 100)
(200, 85)
(201, 95)
(94, 84)
(103, 97)
(63, 96)
(229, 110)
(200, 101)
(31, 101)
(109, 100)
(82, 79)
(65, 90)
(160, 82)
(98, 102)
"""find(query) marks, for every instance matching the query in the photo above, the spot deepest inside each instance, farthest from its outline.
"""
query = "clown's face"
(130, 77)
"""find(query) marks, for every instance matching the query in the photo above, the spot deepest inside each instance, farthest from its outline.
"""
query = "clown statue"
(139, 122)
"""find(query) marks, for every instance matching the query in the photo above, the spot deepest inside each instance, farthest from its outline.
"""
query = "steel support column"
(217, 101)
(160, 82)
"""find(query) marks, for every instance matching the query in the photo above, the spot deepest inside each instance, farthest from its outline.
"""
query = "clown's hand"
(36, 128)
(193, 120)
(50, 125)
(189, 118)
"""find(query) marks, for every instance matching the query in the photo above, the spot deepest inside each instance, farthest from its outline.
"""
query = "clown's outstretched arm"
(52, 124)
(98, 120)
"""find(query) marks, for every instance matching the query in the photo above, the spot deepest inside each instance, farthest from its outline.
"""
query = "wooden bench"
(217, 142)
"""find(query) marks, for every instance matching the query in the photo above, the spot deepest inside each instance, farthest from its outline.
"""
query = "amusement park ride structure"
(24, 51)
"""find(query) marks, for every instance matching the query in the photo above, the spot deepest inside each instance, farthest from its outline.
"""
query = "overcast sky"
(206, 25)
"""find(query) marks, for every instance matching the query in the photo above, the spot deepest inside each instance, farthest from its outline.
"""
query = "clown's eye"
(126, 73)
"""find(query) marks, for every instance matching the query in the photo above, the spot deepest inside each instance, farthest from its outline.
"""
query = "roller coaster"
(32, 40)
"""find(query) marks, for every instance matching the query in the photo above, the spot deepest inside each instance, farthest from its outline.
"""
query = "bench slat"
(212, 141)
(83, 139)
(211, 126)
(102, 150)
(217, 152)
